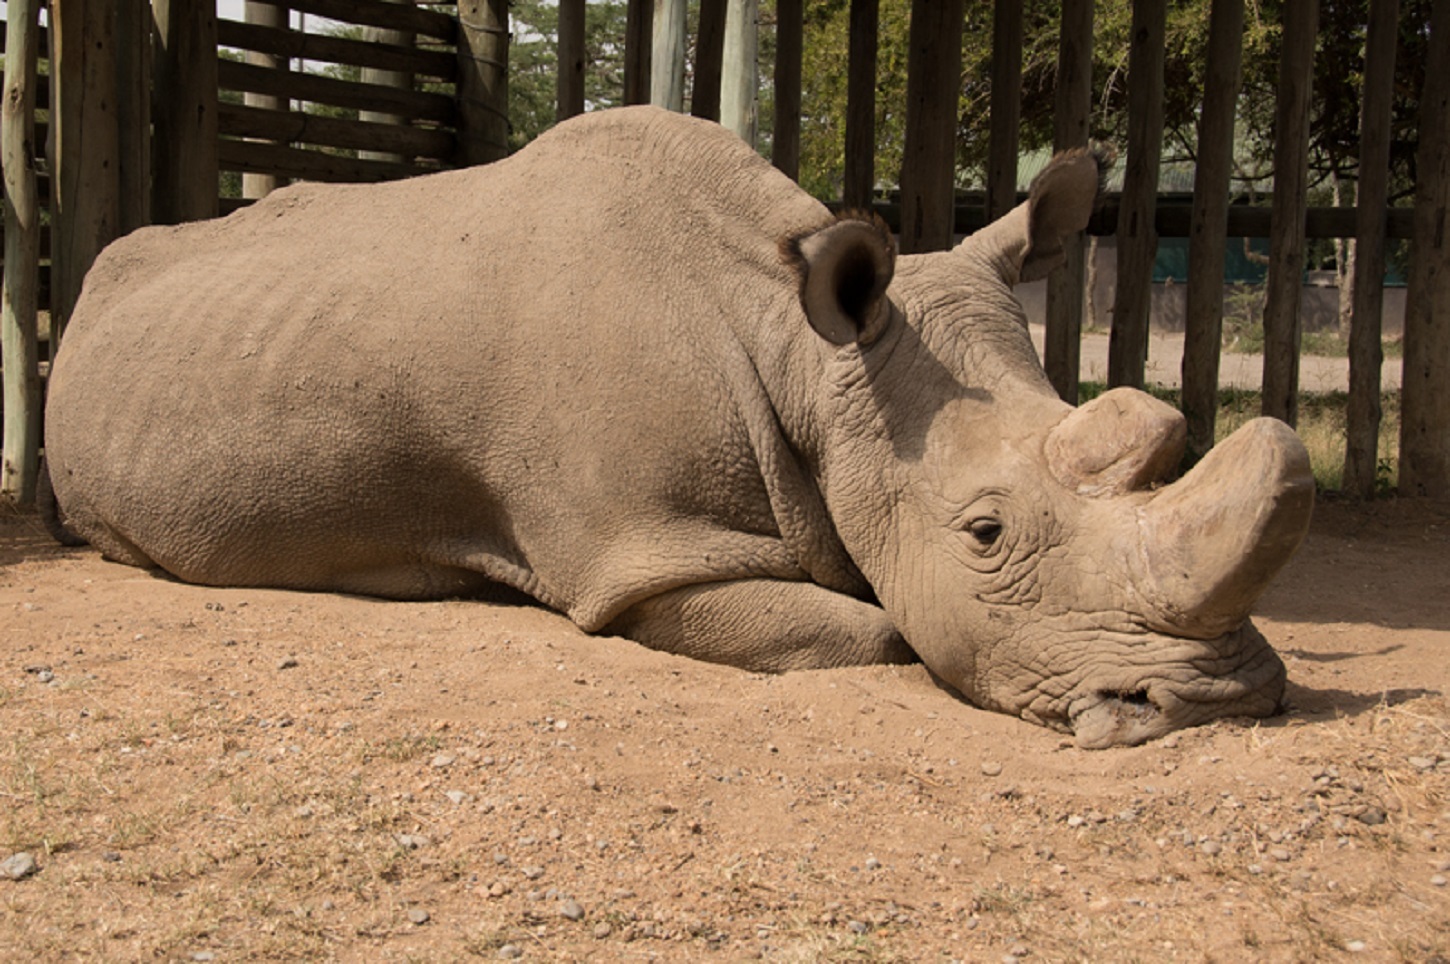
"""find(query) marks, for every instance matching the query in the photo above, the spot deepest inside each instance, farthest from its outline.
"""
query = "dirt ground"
(206, 774)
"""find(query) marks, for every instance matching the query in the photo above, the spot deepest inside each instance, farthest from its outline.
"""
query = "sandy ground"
(1164, 365)
(204, 774)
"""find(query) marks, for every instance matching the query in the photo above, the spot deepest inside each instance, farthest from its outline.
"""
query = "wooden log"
(291, 44)
(1286, 234)
(933, 87)
(397, 79)
(133, 112)
(386, 14)
(1366, 354)
(709, 60)
(185, 109)
(309, 165)
(20, 300)
(1062, 351)
(266, 15)
(785, 145)
(859, 185)
(85, 204)
(417, 104)
(483, 92)
(638, 30)
(1424, 402)
(667, 59)
(1137, 241)
(1006, 108)
(739, 74)
(1208, 230)
(396, 143)
(571, 59)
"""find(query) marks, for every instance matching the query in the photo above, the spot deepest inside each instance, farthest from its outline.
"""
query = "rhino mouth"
(1238, 674)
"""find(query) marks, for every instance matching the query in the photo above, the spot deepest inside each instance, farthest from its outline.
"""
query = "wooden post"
(1367, 281)
(483, 81)
(185, 111)
(19, 339)
(1286, 231)
(265, 15)
(860, 163)
(739, 77)
(398, 79)
(667, 63)
(1424, 402)
(709, 60)
(1062, 353)
(638, 29)
(571, 59)
(933, 87)
(133, 112)
(785, 146)
(85, 183)
(1208, 225)
(1137, 237)
(1006, 109)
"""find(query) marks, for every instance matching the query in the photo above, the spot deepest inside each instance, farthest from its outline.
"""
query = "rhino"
(638, 375)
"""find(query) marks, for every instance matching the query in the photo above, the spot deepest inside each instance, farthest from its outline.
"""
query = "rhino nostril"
(1128, 697)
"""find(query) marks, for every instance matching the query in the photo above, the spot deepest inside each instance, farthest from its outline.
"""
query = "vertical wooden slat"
(1006, 108)
(1208, 225)
(1137, 236)
(785, 147)
(264, 15)
(1286, 230)
(1062, 352)
(859, 185)
(19, 339)
(1425, 402)
(185, 108)
(1366, 355)
(928, 165)
(85, 183)
(739, 77)
(709, 60)
(571, 59)
(667, 63)
(638, 31)
(133, 111)
(400, 79)
(483, 91)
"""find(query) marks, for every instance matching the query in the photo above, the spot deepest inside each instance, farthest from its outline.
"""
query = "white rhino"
(639, 375)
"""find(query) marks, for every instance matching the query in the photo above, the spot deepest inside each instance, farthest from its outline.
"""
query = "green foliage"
(533, 58)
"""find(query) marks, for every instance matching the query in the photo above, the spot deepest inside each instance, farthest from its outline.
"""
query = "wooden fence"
(429, 84)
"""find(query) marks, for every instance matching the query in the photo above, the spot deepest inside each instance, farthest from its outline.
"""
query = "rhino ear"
(843, 271)
(1026, 243)
(1059, 204)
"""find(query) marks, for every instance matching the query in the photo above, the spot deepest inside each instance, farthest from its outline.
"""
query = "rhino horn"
(1212, 541)
(1122, 441)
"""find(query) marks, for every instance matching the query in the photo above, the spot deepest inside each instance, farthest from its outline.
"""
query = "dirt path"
(1165, 365)
(209, 774)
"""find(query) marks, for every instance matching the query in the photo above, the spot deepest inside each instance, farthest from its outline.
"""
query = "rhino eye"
(985, 530)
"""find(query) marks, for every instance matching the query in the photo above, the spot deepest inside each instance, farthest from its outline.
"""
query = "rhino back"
(538, 372)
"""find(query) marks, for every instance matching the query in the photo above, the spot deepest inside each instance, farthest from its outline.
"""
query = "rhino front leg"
(764, 625)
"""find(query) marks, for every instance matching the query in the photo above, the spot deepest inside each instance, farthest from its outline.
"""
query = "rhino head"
(1035, 556)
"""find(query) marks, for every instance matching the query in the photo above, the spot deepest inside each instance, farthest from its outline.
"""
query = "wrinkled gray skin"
(640, 376)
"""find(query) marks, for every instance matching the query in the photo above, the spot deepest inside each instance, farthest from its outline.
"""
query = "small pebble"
(18, 866)
(203, 956)
(1354, 946)
(442, 760)
(45, 676)
(872, 863)
(1438, 880)
(1423, 762)
(289, 662)
(1210, 848)
(602, 930)
(510, 951)
(455, 796)
(1280, 854)
(418, 915)
(571, 909)
(991, 769)
(1372, 816)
